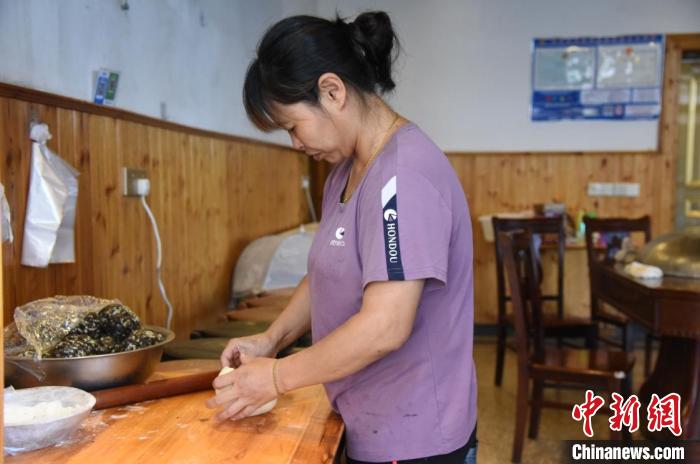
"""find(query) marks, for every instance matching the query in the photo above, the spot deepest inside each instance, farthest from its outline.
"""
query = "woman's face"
(314, 131)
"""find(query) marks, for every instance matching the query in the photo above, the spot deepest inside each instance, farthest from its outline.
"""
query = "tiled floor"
(497, 413)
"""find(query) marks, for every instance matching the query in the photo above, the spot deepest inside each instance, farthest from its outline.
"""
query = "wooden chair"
(598, 370)
(556, 325)
(598, 311)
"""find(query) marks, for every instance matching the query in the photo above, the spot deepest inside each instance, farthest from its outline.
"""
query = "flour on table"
(47, 411)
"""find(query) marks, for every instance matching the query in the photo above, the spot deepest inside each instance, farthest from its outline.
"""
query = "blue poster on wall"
(615, 78)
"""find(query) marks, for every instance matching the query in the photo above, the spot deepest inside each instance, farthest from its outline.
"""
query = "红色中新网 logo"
(661, 413)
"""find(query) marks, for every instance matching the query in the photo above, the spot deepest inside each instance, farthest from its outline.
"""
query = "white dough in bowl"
(267, 407)
(43, 416)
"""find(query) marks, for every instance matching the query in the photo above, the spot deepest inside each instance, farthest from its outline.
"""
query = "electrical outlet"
(613, 189)
(634, 190)
(599, 189)
(627, 189)
(130, 176)
(595, 189)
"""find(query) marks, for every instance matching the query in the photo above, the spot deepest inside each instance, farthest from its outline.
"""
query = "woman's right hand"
(258, 345)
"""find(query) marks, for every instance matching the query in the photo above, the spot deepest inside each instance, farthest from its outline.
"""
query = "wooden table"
(301, 429)
(670, 307)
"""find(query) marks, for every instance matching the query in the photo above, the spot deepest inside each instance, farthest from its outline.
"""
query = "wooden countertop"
(302, 428)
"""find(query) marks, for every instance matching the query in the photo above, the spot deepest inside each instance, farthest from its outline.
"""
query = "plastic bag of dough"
(41, 324)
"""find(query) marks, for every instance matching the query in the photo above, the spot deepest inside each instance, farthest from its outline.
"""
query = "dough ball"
(142, 338)
(75, 346)
(265, 408)
(90, 325)
(118, 321)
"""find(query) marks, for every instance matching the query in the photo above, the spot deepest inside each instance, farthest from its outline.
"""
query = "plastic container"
(43, 416)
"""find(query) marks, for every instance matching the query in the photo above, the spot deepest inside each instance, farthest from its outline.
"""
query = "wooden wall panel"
(495, 182)
(210, 194)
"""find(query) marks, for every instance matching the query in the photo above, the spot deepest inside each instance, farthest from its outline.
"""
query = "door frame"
(676, 44)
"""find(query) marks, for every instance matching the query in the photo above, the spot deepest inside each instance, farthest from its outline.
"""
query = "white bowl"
(43, 416)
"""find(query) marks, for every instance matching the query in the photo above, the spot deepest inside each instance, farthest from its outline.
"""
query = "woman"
(388, 295)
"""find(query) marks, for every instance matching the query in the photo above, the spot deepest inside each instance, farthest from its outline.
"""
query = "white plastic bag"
(6, 217)
(273, 262)
(49, 228)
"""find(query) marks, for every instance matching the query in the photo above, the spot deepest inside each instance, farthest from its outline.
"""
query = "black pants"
(455, 457)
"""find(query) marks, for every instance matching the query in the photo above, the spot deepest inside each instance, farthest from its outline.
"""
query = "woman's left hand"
(245, 389)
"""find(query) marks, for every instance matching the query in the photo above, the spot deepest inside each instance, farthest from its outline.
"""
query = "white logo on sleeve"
(390, 215)
(392, 250)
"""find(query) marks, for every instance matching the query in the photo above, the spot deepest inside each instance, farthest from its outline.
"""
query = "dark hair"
(296, 51)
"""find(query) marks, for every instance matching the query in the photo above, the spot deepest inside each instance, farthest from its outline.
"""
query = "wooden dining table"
(302, 428)
(670, 308)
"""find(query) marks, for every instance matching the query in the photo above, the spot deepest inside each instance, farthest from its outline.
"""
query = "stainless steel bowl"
(676, 253)
(88, 372)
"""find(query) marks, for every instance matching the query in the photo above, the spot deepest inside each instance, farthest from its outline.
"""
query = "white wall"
(463, 76)
(190, 54)
(465, 73)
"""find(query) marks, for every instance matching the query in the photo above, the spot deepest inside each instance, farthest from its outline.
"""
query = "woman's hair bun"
(374, 34)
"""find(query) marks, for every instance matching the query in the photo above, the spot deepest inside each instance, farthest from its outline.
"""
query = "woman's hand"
(258, 345)
(244, 390)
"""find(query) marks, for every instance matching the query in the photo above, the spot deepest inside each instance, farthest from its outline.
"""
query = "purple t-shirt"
(408, 219)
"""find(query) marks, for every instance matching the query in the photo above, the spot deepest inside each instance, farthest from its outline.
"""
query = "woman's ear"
(332, 91)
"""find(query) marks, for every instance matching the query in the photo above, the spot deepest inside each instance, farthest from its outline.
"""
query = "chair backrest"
(545, 225)
(613, 225)
(520, 266)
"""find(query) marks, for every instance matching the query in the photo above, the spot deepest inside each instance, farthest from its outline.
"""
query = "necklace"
(347, 193)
